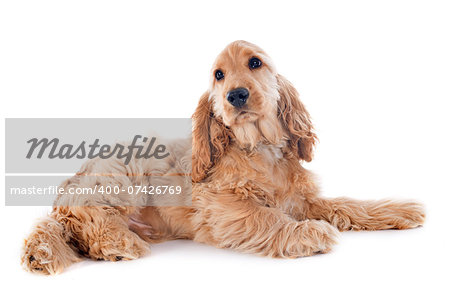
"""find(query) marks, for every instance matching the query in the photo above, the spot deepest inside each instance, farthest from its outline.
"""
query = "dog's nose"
(237, 97)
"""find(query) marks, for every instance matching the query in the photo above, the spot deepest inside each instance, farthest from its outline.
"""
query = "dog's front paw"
(312, 237)
(319, 237)
(408, 215)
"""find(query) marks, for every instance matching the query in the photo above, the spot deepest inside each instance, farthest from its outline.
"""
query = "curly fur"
(250, 191)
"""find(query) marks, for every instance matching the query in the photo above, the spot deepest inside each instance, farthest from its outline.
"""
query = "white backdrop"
(374, 76)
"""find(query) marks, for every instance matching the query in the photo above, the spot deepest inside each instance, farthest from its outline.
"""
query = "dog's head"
(249, 103)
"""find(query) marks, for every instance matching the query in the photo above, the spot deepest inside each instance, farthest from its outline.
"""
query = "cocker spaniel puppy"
(250, 191)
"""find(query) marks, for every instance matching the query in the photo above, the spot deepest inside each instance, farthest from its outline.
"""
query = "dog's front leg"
(350, 214)
(229, 221)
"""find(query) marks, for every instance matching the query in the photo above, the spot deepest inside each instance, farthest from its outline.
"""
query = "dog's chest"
(269, 153)
(265, 164)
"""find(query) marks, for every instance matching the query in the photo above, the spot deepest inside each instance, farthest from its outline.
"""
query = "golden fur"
(250, 191)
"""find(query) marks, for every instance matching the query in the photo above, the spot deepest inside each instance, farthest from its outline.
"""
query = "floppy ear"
(296, 120)
(210, 137)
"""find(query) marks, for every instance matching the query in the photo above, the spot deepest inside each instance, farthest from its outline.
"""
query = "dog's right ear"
(210, 137)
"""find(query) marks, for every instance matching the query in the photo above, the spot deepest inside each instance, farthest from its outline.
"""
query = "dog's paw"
(46, 250)
(123, 245)
(316, 237)
(310, 237)
(38, 258)
(408, 215)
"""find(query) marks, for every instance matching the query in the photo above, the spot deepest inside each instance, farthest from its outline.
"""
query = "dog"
(250, 192)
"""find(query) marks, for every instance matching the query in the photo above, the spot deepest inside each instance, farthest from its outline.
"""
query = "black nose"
(237, 97)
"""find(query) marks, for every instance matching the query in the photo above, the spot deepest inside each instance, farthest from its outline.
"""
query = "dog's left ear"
(296, 120)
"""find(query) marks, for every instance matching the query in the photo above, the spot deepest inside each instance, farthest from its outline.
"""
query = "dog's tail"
(47, 249)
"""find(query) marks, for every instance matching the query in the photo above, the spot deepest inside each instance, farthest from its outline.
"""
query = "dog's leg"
(93, 225)
(349, 214)
(243, 225)
(100, 233)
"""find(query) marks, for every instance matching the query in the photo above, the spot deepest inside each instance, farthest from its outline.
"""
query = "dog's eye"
(219, 74)
(254, 63)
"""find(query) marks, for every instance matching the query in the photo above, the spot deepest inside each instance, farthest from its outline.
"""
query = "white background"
(374, 76)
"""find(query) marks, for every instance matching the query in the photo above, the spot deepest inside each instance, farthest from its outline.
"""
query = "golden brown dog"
(250, 191)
